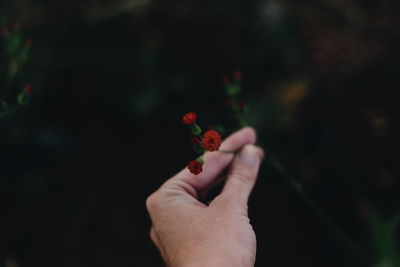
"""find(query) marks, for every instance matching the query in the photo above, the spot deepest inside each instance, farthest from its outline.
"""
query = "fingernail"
(251, 155)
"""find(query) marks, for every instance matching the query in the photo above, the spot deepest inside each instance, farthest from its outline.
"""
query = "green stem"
(227, 151)
(10, 111)
(339, 234)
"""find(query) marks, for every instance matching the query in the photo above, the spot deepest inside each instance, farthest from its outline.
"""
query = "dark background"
(111, 80)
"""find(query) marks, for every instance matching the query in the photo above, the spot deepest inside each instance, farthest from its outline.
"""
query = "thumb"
(242, 176)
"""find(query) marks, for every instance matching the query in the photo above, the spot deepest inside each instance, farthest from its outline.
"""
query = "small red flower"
(5, 31)
(228, 103)
(189, 118)
(195, 140)
(28, 42)
(225, 80)
(17, 25)
(28, 89)
(238, 74)
(211, 140)
(195, 167)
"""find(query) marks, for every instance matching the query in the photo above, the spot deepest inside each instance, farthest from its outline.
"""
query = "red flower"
(228, 103)
(5, 31)
(189, 118)
(17, 25)
(195, 140)
(28, 42)
(238, 74)
(195, 167)
(28, 88)
(211, 140)
(225, 80)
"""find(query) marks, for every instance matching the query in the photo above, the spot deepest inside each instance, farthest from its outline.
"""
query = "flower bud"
(28, 42)
(5, 31)
(225, 80)
(17, 25)
(24, 97)
(3, 105)
(189, 118)
(28, 88)
(198, 149)
(195, 167)
(200, 160)
(196, 130)
(238, 74)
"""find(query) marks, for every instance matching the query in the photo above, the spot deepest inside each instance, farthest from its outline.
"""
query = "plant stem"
(10, 111)
(227, 151)
(339, 234)
(274, 161)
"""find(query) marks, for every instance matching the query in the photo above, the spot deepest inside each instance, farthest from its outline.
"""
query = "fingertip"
(251, 155)
(251, 133)
(240, 138)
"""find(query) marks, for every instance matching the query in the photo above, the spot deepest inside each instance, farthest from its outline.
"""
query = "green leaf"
(13, 68)
(383, 240)
(4, 107)
(198, 148)
(200, 160)
(233, 90)
(23, 98)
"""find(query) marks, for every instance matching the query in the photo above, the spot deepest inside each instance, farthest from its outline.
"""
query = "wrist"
(209, 261)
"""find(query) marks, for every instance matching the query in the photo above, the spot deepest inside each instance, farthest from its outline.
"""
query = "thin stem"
(227, 151)
(10, 111)
(339, 234)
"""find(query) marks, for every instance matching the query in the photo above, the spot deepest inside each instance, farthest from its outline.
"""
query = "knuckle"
(243, 175)
(151, 202)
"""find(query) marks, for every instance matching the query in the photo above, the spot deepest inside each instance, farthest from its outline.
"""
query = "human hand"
(189, 233)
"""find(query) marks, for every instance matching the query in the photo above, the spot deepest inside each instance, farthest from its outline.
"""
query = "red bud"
(28, 88)
(225, 80)
(238, 74)
(5, 31)
(28, 42)
(17, 25)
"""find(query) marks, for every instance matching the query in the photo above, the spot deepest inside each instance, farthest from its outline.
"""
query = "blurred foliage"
(111, 80)
(14, 59)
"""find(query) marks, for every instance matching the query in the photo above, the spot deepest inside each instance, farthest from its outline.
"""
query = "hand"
(189, 233)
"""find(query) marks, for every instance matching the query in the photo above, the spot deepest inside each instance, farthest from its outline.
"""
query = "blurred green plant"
(385, 252)
(383, 234)
(15, 54)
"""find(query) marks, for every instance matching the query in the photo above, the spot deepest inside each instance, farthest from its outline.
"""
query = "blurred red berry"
(238, 74)
(195, 167)
(225, 80)
(28, 42)
(189, 118)
(228, 103)
(17, 25)
(5, 31)
(195, 140)
(28, 88)
(1, 100)
(241, 104)
(211, 140)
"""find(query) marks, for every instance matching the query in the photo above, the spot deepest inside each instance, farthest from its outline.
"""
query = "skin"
(189, 233)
